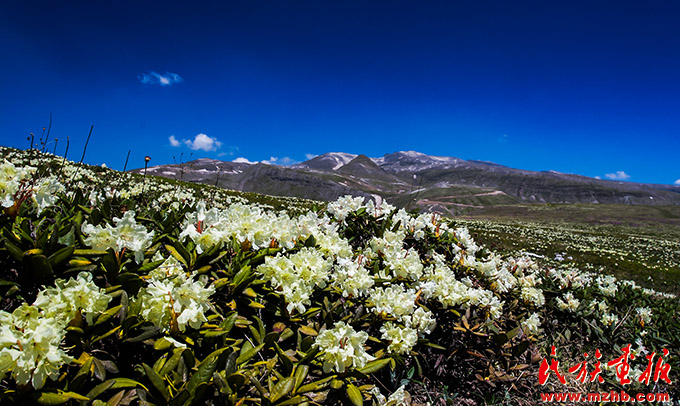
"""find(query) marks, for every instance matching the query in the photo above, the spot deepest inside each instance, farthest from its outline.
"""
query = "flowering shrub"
(173, 293)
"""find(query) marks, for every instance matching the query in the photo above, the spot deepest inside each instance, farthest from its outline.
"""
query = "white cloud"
(271, 161)
(241, 160)
(203, 142)
(677, 182)
(155, 78)
(598, 177)
(173, 141)
(310, 156)
(619, 175)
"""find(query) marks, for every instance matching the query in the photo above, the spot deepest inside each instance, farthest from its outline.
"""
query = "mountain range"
(416, 181)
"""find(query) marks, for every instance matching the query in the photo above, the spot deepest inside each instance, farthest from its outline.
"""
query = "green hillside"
(122, 289)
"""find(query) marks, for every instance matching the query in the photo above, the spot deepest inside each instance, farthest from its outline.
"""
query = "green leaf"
(108, 314)
(61, 256)
(172, 362)
(147, 332)
(89, 253)
(58, 398)
(150, 266)
(156, 381)
(205, 370)
(354, 395)
(15, 251)
(294, 401)
(301, 373)
(316, 385)
(308, 331)
(173, 251)
(282, 388)
(374, 366)
(115, 383)
(248, 354)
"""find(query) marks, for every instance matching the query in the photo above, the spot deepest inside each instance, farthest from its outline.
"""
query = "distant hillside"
(417, 181)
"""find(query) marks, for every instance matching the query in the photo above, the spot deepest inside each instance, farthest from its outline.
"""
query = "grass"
(641, 243)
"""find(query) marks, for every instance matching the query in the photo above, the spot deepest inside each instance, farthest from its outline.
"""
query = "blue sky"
(586, 87)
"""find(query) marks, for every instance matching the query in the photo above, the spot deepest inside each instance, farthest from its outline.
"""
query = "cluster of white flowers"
(644, 315)
(126, 234)
(440, 282)
(607, 285)
(570, 278)
(394, 300)
(345, 205)
(297, 275)
(609, 319)
(568, 302)
(401, 339)
(31, 335)
(399, 398)
(351, 278)
(172, 296)
(343, 348)
(67, 298)
(531, 324)
(11, 180)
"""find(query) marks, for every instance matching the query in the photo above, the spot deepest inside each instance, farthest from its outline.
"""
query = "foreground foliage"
(120, 289)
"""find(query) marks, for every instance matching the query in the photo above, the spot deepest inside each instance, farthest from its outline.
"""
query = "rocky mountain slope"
(416, 181)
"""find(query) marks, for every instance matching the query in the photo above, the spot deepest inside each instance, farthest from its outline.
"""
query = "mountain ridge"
(417, 181)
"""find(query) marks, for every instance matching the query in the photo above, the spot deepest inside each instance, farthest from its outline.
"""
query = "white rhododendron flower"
(11, 178)
(607, 285)
(422, 321)
(30, 336)
(394, 300)
(351, 278)
(45, 192)
(399, 398)
(609, 319)
(401, 339)
(343, 348)
(297, 275)
(569, 302)
(531, 324)
(127, 234)
(341, 208)
(68, 297)
(172, 296)
(644, 315)
(533, 296)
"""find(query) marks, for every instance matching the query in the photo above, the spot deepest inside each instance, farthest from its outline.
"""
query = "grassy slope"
(641, 243)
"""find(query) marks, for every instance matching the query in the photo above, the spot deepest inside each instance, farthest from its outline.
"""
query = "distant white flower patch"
(155, 78)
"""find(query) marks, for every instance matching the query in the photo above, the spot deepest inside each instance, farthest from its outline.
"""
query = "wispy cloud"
(242, 160)
(280, 161)
(619, 175)
(310, 156)
(203, 142)
(173, 141)
(271, 161)
(155, 78)
(677, 182)
(503, 139)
